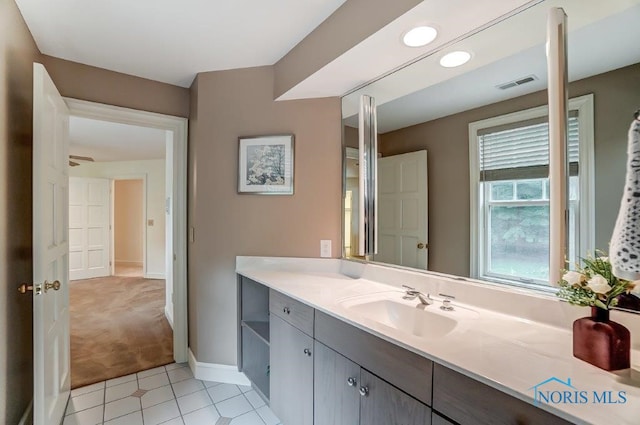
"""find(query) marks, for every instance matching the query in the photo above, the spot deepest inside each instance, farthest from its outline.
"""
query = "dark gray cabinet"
(384, 404)
(346, 394)
(336, 384)
(291, 389)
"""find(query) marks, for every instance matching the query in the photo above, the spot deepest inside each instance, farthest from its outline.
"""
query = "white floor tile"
(255, 400)
(207, 416)
(245, 388)
(134, 418)
(250, 418)
(91, 416)
(154, 381)
(121, 407)
(122, 380)
(267, 415)
(176, 421)
(234, 406)
(117, 392)
(223, 391)
(180, 374)
(85, 401)
(172, 366)
(157, 396)
(151, 372)
(195, 401)
(87, 389)
(161, 413)
(187, 387)
(210, 384)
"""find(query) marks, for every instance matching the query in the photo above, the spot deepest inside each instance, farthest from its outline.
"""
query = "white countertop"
(504, 351)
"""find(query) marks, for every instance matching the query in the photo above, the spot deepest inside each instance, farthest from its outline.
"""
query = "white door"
(402, 210)
(89, 211)
(50, 251)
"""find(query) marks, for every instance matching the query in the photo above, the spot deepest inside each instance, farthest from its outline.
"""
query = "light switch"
(150, 222)
(325, 248)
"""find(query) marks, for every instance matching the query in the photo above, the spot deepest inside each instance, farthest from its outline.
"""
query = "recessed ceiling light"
(453, 59)
(419, 36)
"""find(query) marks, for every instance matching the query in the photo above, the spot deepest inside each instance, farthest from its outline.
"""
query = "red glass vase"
(601, 342)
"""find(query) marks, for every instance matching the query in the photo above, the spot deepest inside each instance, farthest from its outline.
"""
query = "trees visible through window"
(510, 194)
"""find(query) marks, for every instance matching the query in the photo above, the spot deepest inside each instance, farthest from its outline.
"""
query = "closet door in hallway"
(89, 252)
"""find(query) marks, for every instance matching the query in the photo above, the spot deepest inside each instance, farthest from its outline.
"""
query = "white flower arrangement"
(594, 284)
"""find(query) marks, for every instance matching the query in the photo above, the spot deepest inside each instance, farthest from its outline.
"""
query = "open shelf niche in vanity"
(253, 352)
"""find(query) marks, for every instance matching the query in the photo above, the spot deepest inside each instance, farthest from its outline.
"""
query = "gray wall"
(114, 88)
(225, 106)
(616, 97)
(17, 54)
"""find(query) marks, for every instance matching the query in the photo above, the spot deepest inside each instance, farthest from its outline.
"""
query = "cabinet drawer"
(406, 370)
(294, 312)
(468, 401)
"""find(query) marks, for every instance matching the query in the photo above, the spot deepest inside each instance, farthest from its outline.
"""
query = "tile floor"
(166, 395)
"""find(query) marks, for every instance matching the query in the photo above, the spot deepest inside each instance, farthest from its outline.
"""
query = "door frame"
(112, 224)
(177, 205)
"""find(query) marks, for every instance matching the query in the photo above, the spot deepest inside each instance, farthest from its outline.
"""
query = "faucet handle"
(446, 305)
(409, 289)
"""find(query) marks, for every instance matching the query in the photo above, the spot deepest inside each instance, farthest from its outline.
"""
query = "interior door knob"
(52, 285)
(421, 245)
(24, 288)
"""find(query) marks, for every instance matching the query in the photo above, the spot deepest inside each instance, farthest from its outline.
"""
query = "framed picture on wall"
(265, 165)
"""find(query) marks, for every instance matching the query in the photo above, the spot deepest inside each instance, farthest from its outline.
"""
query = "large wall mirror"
(454, 196)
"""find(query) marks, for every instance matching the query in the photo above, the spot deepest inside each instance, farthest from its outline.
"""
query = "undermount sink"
(410, 317)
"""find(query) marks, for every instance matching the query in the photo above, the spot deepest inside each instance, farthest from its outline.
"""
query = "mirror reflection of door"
(402, 210)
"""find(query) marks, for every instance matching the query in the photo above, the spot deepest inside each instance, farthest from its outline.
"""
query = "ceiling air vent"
(518, 82)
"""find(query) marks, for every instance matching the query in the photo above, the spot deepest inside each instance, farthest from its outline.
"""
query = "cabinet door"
(336, 397)
(383, 404)
(291, 373)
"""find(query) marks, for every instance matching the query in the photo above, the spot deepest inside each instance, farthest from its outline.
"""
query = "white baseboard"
(168, 313)
(27, 416)
(216, 372)
(154, 275)
(125, 263)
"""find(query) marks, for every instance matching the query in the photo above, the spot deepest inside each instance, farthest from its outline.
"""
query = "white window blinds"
(521, 150)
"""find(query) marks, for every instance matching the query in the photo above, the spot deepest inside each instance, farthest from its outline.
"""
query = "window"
(510, 193)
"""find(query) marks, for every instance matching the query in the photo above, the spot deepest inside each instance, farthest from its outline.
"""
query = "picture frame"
(265, 165)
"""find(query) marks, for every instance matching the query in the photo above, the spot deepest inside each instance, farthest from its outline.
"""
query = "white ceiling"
(505, 52)
(171, 41)
(108, 141)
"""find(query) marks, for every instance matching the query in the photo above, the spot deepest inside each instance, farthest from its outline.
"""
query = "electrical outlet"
(325, 248)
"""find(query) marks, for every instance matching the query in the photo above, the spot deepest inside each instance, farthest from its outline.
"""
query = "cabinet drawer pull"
(351, 381)
(286, 310)
(364, 391)
(307, 352)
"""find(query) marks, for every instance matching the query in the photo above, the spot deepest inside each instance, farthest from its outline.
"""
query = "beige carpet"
(118, 327)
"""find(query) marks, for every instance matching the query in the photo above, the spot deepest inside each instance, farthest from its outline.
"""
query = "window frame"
(586, 212)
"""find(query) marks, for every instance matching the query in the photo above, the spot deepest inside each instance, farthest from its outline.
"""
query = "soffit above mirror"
(384, 51)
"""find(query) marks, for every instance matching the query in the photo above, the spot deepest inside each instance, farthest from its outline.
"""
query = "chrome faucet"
(412, 294)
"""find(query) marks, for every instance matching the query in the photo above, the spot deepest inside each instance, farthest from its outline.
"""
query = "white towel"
(624, 251)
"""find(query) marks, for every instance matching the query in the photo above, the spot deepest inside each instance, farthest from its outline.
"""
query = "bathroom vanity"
(332, 342)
